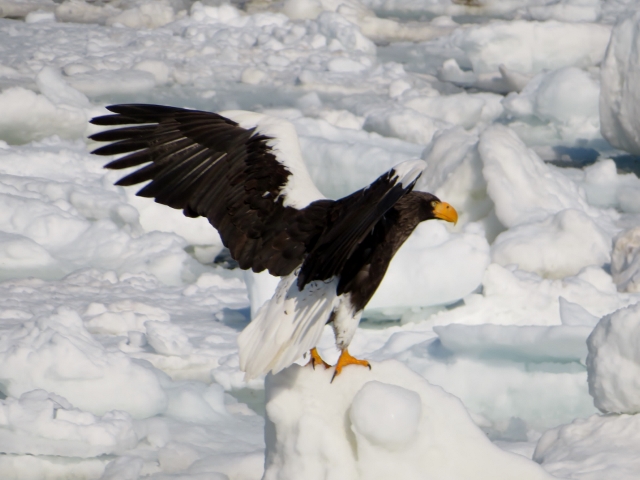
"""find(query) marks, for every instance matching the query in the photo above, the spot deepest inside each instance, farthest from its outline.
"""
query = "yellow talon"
(346, 359)
(316, 359)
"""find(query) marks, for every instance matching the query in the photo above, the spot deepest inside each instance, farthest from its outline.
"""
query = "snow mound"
(614, 361)
(606, 188)
(625, 261)
(595, 448)
(386, 415)
(378, 29)
(167, 338)
(544, 247)
(520, 184)
(462, 109)
(566, 11)
(146, 15)
(121, 317)
(562, 95)
(42, 423)
(530, 47)
(55, 352)
(454, 172)
(620, 88)
(385, 423)
(560, 105)
(31, 116)
(404, 123)
(517, 297)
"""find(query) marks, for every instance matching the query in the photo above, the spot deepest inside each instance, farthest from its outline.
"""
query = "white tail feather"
(287, 326)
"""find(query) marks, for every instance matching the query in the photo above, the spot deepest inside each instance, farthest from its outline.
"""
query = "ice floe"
(119, 317)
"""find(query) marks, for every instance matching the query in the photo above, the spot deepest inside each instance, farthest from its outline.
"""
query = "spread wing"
(244, 172)
(245, 176)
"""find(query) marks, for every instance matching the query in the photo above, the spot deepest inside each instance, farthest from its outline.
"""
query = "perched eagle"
(244, 172)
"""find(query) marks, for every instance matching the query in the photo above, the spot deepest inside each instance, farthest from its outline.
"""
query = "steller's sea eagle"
(244, 172)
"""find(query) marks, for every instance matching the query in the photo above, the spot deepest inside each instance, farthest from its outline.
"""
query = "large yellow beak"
(444, 211)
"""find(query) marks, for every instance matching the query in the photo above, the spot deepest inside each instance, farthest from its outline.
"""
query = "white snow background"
(119, 317)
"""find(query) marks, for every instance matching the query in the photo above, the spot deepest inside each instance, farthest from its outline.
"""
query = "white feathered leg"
(287, 326)
(345, 324)
(345, 321)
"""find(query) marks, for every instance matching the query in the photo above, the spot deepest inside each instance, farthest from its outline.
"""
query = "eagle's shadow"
(236, 318)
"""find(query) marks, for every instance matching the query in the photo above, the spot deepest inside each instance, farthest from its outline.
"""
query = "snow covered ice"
(601, 446)
(376, 425)
(612, 344)
(119, 316)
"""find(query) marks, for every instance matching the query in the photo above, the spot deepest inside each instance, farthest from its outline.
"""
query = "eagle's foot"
(316, 359)
(346, 359)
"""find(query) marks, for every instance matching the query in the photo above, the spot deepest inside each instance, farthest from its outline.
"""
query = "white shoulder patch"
(300, 190)
(409, 171)
(287, 326)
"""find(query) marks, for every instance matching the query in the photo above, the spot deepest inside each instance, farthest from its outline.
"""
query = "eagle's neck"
(367, 266)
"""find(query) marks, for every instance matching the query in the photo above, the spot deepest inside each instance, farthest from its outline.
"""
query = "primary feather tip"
(408, 172)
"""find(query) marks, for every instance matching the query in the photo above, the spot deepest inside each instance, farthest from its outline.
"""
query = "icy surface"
(550, 239)
(530, 47)
(619, 95)
(41, 423)
(119, 317)
(614, 363)
(560, 104)
(625, 261)
(386, 415)
(595, 448)
(537, 343)
(56, 353)
(518, 181)
(400, 425)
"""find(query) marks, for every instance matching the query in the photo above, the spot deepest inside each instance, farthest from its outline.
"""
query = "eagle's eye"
(434, 204)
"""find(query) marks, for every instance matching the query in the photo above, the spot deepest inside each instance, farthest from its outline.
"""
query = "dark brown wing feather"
(207, 165)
